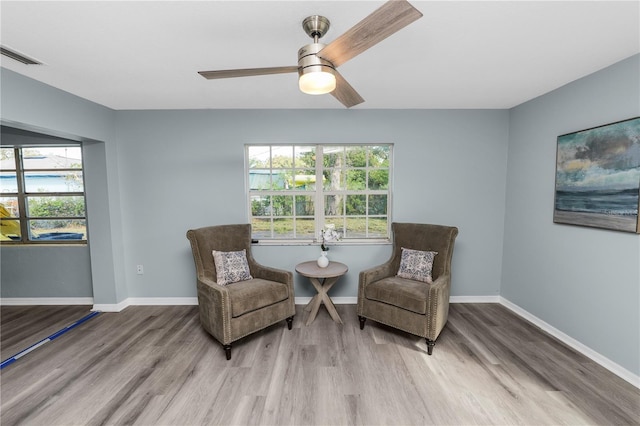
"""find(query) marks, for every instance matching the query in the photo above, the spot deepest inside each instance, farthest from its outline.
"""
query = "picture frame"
(598, 177)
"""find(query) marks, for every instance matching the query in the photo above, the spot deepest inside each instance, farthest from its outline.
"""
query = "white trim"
(160, 301)
(616, 369)
(474, 299)
(115, 307)
(146, 301)
(27, 301)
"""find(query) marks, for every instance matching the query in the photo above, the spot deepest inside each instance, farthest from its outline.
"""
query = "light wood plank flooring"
(156, 366)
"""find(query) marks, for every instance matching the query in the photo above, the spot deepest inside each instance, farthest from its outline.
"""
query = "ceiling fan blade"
(247, 72)
(346, 94)
(383, 22)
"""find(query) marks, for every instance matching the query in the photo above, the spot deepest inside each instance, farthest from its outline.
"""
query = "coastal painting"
(598, 177)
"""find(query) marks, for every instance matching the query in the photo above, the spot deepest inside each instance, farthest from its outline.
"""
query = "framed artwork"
(598, 177)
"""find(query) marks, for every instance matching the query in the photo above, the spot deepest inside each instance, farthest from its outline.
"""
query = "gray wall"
(185, 169)
(583, 281)
(29, 105)
(451, 167)
(45, 272)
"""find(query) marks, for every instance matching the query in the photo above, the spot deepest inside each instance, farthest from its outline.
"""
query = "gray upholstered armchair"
(416, 307)
(230, 312)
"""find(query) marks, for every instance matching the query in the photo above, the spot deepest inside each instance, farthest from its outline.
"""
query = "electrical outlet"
(139, 269)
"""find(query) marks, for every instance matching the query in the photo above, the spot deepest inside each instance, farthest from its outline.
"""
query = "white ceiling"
(471, 54)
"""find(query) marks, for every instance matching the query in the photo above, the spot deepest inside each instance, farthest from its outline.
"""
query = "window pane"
(282, 157)
(378, 227)
(9, 207)
(259, 157)
(261, 205)
(59, 229)
(356, 205)
(50, 182)
(8, 182)
(282, 205)
(305, 205)
(265, 180)
(9, 228)
(356, 156)
(333, 156)
(287, 176)
(283, 228)
(305, 228)
(379, 156)
(305, 157)
(55, 206)
(305, 180)
(334, 179)
(261, 228)
(356, 227)
(377, 204)
(52, 158)
(333, 205)
(356, 179)
(379, 179)
(7, 160)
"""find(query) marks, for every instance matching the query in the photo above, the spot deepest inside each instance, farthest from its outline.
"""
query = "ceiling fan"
(317, 62)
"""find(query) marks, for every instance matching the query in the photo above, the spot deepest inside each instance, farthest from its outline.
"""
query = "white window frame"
(23, 194)
(318, 195)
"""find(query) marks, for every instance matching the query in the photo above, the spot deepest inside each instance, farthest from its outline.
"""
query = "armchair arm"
(438, 305)
(277, 275)
(370, 275)
(376, 273)
(215, 309)
(271, 274)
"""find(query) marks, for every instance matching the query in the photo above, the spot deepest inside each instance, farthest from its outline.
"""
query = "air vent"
(18, 56)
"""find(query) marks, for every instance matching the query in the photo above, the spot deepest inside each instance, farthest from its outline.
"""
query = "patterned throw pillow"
(416, 265)
(231, 266)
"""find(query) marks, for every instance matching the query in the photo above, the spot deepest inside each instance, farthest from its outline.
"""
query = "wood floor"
(156, 366)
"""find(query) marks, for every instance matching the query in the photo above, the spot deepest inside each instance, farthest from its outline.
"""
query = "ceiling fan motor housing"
(308, 60)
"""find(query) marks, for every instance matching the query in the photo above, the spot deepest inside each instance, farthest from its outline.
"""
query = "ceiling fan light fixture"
(317, 82)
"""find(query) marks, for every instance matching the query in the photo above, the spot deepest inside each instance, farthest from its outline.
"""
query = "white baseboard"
(474, 299)
(146, 301)
(616, 369)
(29, 301)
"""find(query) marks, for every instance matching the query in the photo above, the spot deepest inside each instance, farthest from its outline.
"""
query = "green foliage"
(53, 207)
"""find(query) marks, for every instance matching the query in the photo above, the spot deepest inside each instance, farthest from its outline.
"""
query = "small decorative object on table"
(328, 234)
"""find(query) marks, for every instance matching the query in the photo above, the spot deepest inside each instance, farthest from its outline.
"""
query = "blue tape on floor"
(35, 346)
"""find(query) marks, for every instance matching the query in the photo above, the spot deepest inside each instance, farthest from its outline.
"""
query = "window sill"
(368, 242)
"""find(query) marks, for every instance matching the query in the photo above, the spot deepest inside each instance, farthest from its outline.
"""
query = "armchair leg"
(227, 351)
(289, 322)
(430, 345)
(362, 320)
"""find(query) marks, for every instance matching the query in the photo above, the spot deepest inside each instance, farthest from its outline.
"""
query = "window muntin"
(286, 203)
(42, 196)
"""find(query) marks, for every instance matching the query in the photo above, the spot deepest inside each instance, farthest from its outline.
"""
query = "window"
(295, 190)
(42, 195)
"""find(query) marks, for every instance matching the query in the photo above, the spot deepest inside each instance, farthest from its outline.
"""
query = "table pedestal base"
(322, 297)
